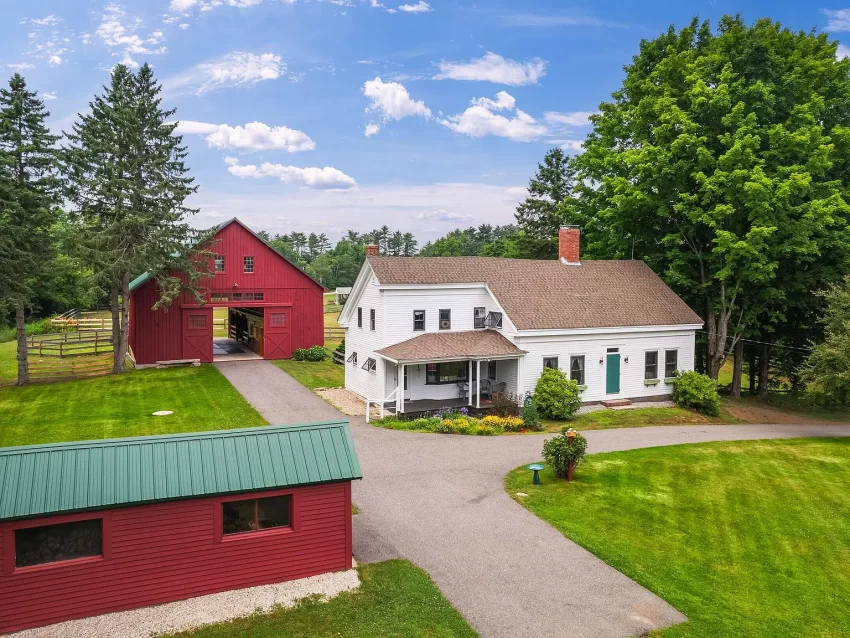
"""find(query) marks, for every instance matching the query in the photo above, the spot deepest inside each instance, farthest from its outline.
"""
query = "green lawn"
(314, 374)
(115, 406)
(395, 599)
(8, 362)
(638, 418)
(747, 538)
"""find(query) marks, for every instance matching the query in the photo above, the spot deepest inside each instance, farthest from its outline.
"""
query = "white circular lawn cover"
(163, 412)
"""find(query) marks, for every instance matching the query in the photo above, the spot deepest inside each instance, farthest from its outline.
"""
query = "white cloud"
(46, 21)
(442, 215)
(573, 118)
(571, 146)
(419, 7)
(20, 66)
(49, 95)
(237, 68)
(479, 120)
(371, 129)
(839, 20)
(183, 25)
(492, 67)
(182, 5)
(54, 60)
(254, 136)
(119, 32)
(842, 52)
(312, 177)
(392, 101)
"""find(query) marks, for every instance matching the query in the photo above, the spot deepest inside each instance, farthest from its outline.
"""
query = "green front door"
(612, 373)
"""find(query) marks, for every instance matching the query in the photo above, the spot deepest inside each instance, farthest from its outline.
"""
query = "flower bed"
(458, 422)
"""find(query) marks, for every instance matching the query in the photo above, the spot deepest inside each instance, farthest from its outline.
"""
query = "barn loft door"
(277, 334)
(198, 334)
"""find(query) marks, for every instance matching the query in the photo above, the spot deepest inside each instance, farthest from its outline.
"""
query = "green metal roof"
(138, 281)
(37, 480)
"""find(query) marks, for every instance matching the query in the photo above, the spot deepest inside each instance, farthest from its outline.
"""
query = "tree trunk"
(738, 370)
(764, 371)
(115, 309)
(752, 370)
(125, 324)
(21, 333)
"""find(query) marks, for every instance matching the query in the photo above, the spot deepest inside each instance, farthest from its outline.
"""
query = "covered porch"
(455, 369)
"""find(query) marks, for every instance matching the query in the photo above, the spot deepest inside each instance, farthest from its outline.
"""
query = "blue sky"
(324, 115)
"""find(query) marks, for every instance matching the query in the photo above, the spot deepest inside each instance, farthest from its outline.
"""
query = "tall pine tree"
(128, 184)
(29, 198)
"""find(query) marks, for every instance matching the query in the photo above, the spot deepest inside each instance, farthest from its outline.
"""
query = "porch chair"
(463, 388)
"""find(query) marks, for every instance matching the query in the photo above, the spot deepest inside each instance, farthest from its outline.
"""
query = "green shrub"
(314, 353)
(558, 452)
(341, 346)
(556, 396)
(531, 416)
(505, 404)
(39, 327)
(698, 392)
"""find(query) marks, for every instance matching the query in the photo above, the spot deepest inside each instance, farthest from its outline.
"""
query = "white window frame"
(245, 264)
(475, 318)
(570, 358)
(424, 315)
(666, 350)
(646, 352)
(557, 359)
(216, 260)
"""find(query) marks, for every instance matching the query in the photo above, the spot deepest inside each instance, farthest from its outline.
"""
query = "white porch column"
(383, 386)
(469, 383)
(400, 391)
(478, 384)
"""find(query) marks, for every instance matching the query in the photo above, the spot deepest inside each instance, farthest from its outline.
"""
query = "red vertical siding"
(172, 551)
(157, 337)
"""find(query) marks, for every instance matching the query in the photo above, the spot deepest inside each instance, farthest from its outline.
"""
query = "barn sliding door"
(277, 334)
(198, 334)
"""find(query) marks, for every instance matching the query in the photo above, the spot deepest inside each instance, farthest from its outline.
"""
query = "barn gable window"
(248, 264)
(61, 542)
(219, 263)
(256, 514)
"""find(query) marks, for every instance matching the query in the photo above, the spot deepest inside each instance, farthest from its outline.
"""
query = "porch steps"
(617, 403)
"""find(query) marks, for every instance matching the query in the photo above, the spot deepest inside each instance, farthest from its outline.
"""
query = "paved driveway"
(439, 501)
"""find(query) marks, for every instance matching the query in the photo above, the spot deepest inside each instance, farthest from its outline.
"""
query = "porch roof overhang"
(451, 346)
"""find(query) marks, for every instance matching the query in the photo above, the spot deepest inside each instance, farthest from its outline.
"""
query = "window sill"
(670, 380)
(651, 381)
(263, 533)
(58, 565)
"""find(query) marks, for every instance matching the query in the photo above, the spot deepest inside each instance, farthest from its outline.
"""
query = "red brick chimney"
(372, 250)
(569, 240)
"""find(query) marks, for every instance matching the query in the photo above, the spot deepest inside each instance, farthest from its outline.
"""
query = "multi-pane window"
(220, 297)
(248, 264)
(370, 365)
(219, 263)
(651, 365)
(372, 319)
(445, 319)
(197, 322)
(53, 543)
(671, 363)
(360, 317)
(352, 358)
(256, 514)
(550, 362)
(494, 320)
(448, 372)
(419, 320)
(277, 320)
(480, 317)
(577, 369)
(491, 370)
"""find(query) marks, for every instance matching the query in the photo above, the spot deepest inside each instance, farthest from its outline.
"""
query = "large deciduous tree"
(724, 162)
(29, 204)
(128, 184)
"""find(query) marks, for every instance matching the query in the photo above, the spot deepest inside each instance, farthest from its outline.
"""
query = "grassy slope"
(394, 599)
(639, 418)
(747, 539)
(315, 374)
(115, 406)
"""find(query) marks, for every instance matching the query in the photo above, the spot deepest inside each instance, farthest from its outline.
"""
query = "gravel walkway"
(279, 398)
(195, 612)
(343, 400)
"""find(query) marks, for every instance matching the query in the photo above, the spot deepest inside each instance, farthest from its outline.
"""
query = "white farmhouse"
(427, 332)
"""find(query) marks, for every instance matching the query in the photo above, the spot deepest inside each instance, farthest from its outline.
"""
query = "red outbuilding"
(100, 526)
(273, 307)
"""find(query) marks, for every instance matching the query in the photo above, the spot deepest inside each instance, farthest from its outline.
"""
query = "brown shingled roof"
(468, 344)
(548, 295)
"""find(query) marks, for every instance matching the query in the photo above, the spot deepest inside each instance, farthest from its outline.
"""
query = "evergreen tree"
(128, 184)
(29, 198)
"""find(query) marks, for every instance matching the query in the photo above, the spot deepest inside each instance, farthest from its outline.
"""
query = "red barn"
(94, 527)
(273, 307)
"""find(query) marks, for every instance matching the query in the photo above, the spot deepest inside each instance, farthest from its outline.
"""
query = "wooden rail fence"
(334, 334)
(61, 369)
(69, 355)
